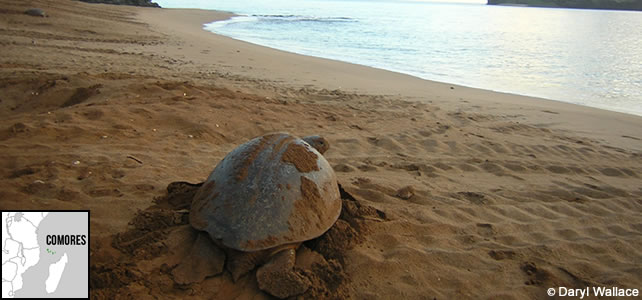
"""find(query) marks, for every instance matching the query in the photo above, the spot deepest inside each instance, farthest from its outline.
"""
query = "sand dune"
(102, 107)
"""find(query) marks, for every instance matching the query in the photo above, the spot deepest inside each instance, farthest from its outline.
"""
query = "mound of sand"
(149, 257)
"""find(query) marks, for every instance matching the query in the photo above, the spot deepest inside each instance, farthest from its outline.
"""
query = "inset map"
(45, 254)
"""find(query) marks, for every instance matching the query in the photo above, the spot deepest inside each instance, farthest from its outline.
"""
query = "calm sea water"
(587, 57)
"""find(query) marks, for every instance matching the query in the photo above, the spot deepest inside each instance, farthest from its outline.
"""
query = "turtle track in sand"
(160, 236)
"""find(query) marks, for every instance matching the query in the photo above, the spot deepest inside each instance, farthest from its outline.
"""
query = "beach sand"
(450, 192)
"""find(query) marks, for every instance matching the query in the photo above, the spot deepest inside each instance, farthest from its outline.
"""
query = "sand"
(455, 193)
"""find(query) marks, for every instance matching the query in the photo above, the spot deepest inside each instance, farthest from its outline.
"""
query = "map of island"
(45, 254)
(55, 272)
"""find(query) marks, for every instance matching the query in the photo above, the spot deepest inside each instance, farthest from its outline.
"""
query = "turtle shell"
(272, 190)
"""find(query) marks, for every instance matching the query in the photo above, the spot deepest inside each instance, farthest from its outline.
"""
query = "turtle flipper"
(240, 263)
(278, 277)
(204, 260)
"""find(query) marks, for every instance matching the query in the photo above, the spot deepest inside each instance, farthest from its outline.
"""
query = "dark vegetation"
(587, 4)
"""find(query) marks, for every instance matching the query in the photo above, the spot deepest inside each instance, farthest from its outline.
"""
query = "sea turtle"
(36, 12)
(262, 200)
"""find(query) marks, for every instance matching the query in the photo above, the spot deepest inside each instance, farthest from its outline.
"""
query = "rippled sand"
(102, 107)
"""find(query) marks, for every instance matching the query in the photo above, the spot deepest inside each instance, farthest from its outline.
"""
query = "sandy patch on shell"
(304, 160)
(252, 154)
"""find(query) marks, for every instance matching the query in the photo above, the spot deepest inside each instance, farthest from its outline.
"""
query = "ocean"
(586, 57)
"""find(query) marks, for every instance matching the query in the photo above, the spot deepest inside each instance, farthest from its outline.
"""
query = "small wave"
(301, 18)
(238, 19)
(276, 19)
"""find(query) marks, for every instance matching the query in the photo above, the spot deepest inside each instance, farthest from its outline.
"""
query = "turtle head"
(317, 142)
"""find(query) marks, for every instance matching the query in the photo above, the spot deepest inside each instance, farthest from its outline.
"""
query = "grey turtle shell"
(272, 190)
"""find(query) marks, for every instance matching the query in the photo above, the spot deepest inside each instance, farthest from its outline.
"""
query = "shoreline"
(348, 77)
(517, 94)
